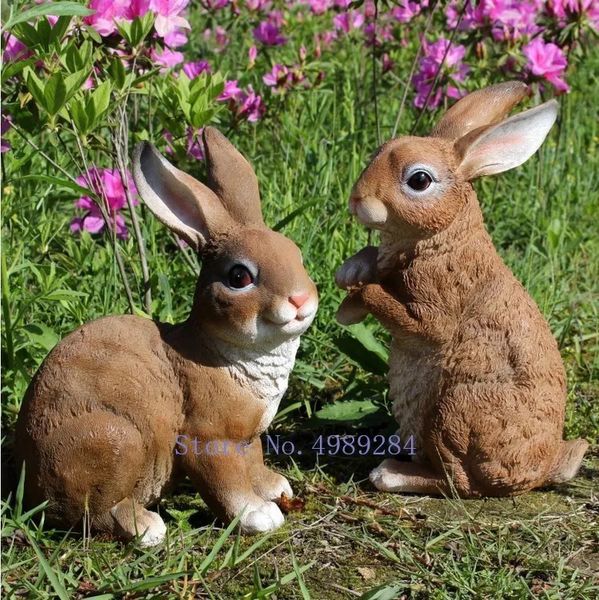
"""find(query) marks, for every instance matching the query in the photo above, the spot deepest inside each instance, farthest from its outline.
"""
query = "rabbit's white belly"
(413, 375)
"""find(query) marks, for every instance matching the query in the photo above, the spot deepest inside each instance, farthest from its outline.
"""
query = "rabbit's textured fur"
(99, 425)
(475, 374)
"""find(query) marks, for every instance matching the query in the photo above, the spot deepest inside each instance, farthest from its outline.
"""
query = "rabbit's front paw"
(360, 269)
(270, 485)
(265, 517)
(352, 309)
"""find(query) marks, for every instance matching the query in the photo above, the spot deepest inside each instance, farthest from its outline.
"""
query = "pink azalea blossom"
(252, 55)
(14, 49)
(195, 69)
(220, 36)
(258, 5)
(106, 15)
(195, 145)
(269, 34)
(406, 11)
(278, 77)
(571, 10)
(319, 7)
(6, 125)
(251, 106)
(166, 58)
(168, 16)
(107, 184)
(451, 70)
(387, 63)
(346, 21)
(547, 60)
(216, 4)
(231, 91)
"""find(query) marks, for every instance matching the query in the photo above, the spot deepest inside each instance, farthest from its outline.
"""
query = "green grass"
(347, 539)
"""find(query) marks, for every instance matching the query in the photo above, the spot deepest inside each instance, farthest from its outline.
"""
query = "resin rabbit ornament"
(475, 374)
(109, 420)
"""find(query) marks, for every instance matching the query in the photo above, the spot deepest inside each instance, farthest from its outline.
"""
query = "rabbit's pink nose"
(298, 300)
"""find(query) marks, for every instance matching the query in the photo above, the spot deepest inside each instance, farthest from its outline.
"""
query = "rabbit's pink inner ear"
(232, 178)
(483, 107)
(497, 148)
(182, 203)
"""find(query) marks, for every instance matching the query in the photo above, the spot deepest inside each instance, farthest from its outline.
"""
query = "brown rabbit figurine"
(123, 406)
(475, 374)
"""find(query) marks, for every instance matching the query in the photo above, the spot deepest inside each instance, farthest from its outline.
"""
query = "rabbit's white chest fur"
(264, 373)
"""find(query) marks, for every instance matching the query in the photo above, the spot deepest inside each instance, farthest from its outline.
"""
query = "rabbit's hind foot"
(568, 461)
(405, 477)
(131, 519)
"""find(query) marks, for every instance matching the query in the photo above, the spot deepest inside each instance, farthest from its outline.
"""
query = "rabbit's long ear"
(182, 203)
(232, 178)
(483, 107)
(497, 148)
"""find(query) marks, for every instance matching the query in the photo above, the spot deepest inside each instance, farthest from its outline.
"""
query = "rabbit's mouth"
(292, 325)
(370, 211)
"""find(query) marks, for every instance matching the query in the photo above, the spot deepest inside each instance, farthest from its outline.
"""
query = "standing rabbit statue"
(475, 374)
(117, 411)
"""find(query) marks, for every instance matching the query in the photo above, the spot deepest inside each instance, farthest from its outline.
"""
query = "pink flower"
(138, 8)
(348, 20)
(278, 76)
(387, 63)
(175, 38)
(166, 58)
(251, 106)
(320, 6)
(252, 55)
(168, 17)
(406, 11)
(231, 92)
(547, 60)
(220, 36)
(216, 4)
(6, 125)
(14, 49)
(195, 69)
(107, 184)
(451, 70)
(269, 34)
(257, 5)
(107, 11)
(195, 145)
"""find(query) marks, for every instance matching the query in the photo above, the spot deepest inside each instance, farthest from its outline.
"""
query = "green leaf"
(55, 93)
(383, 592)
(51, 574)
(101, 98)
(79, 116)
(41, 335)
(35, 87)
(11, 69)
(117, 74)
(344, 412)
(74, 81)
(57, 9)
(359, 344)
(57, 181)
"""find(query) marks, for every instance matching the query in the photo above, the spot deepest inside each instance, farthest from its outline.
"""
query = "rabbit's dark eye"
(420, 180)
(240, 277)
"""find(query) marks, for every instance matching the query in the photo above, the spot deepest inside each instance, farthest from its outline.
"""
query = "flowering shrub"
(95, 77)
(108, 186)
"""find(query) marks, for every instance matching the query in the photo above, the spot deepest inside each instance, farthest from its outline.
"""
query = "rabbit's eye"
(240, 277)
(419, 181)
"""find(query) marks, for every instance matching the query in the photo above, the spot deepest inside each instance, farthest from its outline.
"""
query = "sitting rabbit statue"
(108, 423)
(475, 374)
